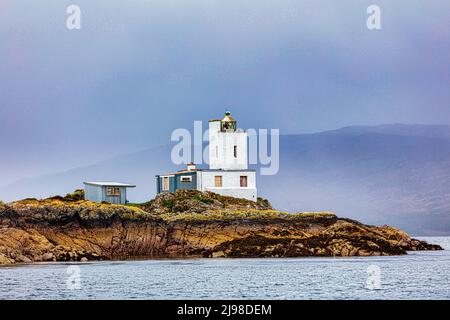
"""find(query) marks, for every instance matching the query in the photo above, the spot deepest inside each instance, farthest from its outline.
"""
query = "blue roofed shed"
(112, 192)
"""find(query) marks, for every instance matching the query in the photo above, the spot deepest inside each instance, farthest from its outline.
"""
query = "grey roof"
(109, 184)
(178, 172)
(229, 170)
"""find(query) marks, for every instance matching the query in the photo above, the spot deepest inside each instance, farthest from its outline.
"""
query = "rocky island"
(183, 224)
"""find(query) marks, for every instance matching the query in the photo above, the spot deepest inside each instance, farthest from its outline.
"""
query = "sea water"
(418, 275)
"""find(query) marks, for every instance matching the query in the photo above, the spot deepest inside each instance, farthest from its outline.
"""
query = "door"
(166, 184)
(218, 181)
(113, 195)
(243, 181)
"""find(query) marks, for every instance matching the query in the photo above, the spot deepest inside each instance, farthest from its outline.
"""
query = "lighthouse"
(228, 173)
(227, 145)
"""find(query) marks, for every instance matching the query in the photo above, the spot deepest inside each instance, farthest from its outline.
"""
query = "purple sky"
(139, 69)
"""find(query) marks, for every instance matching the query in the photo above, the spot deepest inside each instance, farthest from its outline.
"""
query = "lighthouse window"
(243, 181)
(235, 151)
(218, 181)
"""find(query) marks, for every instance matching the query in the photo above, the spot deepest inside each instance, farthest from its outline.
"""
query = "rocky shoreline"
(184, 225)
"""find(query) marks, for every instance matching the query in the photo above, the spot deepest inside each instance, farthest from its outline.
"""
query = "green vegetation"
(249, 214)
(194, 201)
(263, 202)
(136, 214)
(323, 214)
(57, 203)
(227, 201)
(132, 204)
(77, 195)
(189, 205)
(168, 204)
(210, 198)
(202, 198)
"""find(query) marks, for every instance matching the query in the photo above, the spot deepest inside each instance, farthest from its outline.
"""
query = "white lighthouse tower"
(228, 172)
(227, 145)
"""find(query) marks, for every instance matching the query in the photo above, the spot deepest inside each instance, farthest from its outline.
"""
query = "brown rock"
(70, 230)
(5, 260)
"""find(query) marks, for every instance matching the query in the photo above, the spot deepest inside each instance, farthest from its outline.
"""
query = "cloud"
(137, 70)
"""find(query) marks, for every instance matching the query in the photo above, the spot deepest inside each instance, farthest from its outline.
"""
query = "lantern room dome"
(228, 123)
(228, 117)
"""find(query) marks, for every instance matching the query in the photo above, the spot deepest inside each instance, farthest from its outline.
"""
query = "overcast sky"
(139, 69)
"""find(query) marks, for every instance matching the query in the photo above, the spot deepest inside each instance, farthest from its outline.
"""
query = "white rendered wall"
(214, 128)
(231, 183)
(221, 148)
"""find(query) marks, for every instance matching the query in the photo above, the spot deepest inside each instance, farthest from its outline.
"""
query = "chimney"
(191, 166)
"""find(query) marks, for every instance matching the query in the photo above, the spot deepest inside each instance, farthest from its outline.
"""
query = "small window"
(166, 184)
(243, 181)
(235, 151)
(186, 178)
(218, 181)
(113, 192)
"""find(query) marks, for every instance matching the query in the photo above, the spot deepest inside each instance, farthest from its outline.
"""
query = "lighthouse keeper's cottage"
(228, 172)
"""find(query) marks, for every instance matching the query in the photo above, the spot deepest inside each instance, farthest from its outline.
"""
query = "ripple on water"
(419, 275)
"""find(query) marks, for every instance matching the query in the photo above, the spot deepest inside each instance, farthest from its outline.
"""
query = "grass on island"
(135, 211)
(127, 212)
(132, 212)
(245, 214)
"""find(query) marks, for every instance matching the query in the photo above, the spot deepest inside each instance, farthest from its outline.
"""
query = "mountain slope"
(414, 130)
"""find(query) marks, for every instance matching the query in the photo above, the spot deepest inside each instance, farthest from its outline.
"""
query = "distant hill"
(412, 130)
(393, 174)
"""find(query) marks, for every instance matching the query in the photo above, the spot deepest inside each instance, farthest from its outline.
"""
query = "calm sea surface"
(419, 275)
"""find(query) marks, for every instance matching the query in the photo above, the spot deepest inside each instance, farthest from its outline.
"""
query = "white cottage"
(228, 172)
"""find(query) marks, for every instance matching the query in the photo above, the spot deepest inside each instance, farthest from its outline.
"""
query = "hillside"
(395, 174)
(69, 229)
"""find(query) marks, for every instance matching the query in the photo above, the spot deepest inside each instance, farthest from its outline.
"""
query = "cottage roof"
(110, 184)
(179, 172)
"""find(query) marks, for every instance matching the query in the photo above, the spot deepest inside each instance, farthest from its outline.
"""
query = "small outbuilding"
(112, 192)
